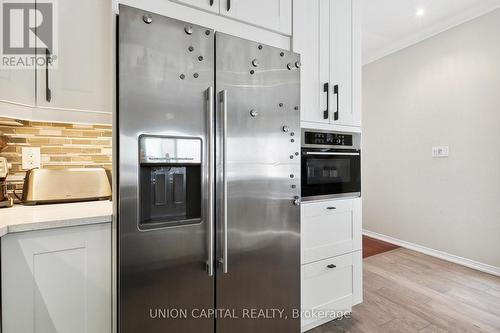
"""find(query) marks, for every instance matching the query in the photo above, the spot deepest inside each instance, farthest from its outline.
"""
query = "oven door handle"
(332, 154)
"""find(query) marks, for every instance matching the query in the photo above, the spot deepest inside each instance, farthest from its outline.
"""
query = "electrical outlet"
(30, 158)
(443, 151)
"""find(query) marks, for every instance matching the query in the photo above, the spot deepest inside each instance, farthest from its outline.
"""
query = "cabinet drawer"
(330, 228)
(332, 285)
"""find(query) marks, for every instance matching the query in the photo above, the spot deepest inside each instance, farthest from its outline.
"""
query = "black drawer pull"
(331, 208)
(331, 266)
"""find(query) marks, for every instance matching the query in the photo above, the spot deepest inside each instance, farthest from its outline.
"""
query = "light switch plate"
(30, 158)
(442, 151)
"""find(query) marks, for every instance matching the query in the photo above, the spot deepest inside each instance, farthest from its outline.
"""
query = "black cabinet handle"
(211, 3)
(336, 92)
(48, 92)
(331, 208)
(228, 5)
(326, 88)
(331, 266)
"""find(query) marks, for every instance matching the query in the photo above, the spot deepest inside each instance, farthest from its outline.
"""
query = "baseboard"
(436, 253)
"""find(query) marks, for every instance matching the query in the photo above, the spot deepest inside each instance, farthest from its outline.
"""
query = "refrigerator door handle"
(224, 259)
(211, 171)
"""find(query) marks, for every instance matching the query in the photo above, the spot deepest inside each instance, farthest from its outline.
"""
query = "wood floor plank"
(452, 323)
(397, 326)
(398, 312)
(434, 329)
(441, 299)
(408, 292)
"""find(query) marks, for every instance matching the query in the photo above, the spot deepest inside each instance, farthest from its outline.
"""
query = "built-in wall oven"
(331, 165)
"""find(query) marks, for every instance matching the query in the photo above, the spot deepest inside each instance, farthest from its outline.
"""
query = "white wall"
(442, 91)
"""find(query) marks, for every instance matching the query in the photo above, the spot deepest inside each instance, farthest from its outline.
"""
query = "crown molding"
(431, 31)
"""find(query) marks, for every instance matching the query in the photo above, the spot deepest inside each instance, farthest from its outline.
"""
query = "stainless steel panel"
(262, 175)
(164, 74)
(154, 149)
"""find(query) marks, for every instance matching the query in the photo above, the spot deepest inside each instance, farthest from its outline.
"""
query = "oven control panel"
(327, 139)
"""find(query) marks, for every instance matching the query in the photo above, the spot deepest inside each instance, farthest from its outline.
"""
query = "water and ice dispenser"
(170, 181)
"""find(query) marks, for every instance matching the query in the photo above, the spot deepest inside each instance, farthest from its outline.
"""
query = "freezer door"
(166, 75)
(258, 186)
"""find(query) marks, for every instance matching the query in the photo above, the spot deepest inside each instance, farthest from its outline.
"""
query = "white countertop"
(29, 218)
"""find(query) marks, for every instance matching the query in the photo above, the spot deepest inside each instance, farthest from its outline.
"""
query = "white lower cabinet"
(330, 287)
(330, 228)
(331, 271)
(57, 280)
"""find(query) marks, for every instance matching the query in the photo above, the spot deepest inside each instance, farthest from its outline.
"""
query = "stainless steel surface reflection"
(263, 228)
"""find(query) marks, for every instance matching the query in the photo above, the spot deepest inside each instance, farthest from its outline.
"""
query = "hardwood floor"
(409, 292)
(372, 246)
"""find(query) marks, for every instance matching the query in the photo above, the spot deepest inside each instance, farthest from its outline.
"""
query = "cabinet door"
(57, 280)
(208, 5)
(344, 55)
(274, 15)
(330, 228)
(311, 39)
(333, 285)
(82, 80)
(17, 87)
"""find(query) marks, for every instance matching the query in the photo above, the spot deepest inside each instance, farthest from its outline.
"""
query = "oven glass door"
(330, 173)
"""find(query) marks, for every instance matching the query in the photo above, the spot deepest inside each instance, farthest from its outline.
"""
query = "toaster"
(65, 185)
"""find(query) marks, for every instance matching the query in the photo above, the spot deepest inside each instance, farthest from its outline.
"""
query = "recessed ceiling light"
(420, 12)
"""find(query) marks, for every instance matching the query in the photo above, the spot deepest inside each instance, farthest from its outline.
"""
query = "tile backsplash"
(62, 145)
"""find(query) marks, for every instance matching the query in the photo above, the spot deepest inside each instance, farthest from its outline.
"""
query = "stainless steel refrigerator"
(209, 180)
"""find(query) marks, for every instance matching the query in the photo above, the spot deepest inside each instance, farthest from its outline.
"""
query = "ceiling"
(391, 25)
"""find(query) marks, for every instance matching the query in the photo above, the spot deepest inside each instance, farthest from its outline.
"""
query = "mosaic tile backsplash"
(62, 145)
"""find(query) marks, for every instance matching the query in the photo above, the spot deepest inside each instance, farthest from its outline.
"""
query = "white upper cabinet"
(81, 81)
(327, 35)
(208, 5)
(311, 39)
(274, 15)
(80, 84)
(17, 87)
(345, 69)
